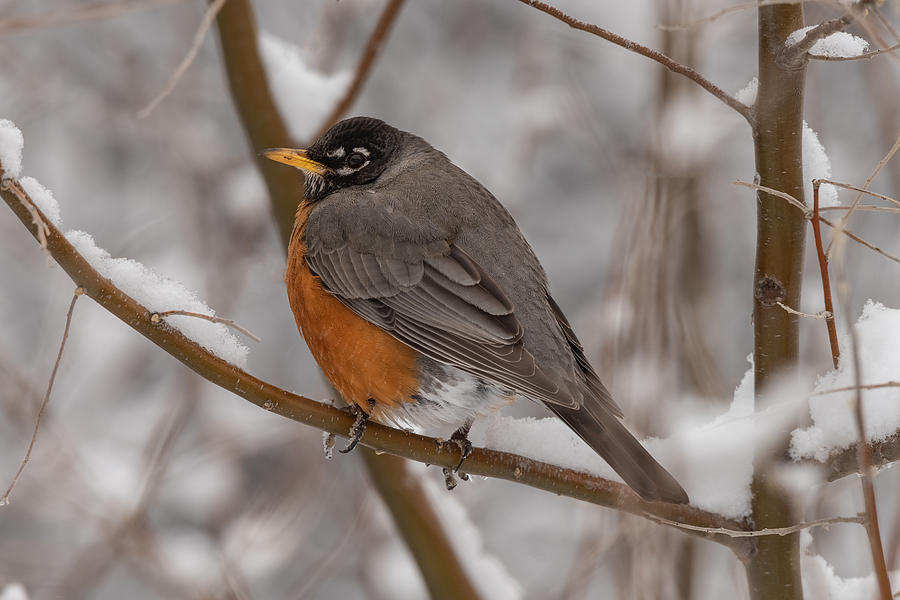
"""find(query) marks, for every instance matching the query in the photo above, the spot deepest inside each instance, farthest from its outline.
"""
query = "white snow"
(713, 461)
(303, 95)
(837, 45)
(816, 165)
(43, 199)
(485, 570)
(159, 294)
(11, 142)
(834, 421)
(821, 582)
(747, 95)
(13, 591)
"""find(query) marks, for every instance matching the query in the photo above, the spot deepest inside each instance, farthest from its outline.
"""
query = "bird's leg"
(460, 437)
(359, 425)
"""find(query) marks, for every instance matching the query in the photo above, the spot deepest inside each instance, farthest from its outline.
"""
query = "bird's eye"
(356, 160)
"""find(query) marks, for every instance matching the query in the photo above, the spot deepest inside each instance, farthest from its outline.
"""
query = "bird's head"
(353, 152)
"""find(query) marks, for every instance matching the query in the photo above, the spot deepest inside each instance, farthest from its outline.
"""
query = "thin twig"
(864, 453)
(822, 314)
(795, 56)
(871, 386)
(865, 207)
(863, 56)
(783, 195)
(62, 345)
(808, 213)
(826, 282)
(156, 317)
(843, 222)
(859, 240)
(367, 59)
(208, 17)
(780, 531)
(674, 66)
(91, 12)
(858, 189)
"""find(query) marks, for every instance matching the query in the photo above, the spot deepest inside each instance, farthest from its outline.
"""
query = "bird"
(424, 305)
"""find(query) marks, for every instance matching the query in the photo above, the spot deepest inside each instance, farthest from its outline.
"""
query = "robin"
(425, 306)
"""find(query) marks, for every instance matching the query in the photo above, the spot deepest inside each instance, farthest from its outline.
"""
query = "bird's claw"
(359, 425)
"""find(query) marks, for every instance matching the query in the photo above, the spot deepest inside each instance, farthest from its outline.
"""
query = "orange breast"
(361, 360)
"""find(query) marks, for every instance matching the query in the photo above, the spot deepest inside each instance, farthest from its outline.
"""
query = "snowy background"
(148, 482)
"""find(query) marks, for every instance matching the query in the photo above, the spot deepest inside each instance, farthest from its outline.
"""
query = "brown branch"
(674, 66)
(844, 462)
(482, 461)
(871, 386)
(864, 455)
(62, 345)
(863, 56)
(370, 53)
(860, 190)
(826, 283)
(796, 56)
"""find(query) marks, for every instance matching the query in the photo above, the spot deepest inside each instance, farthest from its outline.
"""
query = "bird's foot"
(461, 438)
(359, 425)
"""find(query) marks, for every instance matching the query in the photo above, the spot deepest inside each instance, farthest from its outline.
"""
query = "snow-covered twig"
(157, 317)
(62, 345)
(674, 66)
(863, 56)
(207, 21)
(781, 531)
(370, 53)
(795, 55)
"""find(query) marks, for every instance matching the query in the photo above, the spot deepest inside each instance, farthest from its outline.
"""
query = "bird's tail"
(610, 439)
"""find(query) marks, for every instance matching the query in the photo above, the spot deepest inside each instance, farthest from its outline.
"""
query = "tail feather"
(611, 440)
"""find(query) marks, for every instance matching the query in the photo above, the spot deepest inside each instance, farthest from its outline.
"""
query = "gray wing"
(443, 305)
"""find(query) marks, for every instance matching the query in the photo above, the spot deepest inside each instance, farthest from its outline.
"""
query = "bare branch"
(482, 461)
(871, 386)
(826, 281)
(370, 53)
(859, 519)
(822, 314)
(857, 189)
(157, 317)
(795, 56)
(721, 13)
(207, 21)
(62, 345)
(674, 66)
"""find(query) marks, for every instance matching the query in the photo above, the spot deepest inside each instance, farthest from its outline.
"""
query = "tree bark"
(774, 570)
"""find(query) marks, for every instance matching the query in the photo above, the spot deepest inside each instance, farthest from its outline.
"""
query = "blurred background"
(148, 482)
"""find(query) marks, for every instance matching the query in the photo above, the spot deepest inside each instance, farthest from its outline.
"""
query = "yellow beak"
(297, 159)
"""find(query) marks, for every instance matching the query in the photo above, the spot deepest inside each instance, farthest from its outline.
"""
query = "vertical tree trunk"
(774, 571)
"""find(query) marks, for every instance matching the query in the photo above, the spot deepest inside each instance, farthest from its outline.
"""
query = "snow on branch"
(799, 44)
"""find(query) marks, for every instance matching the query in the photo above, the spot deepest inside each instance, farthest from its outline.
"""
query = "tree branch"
(796, 56)
(482, 461)
(674, 66)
